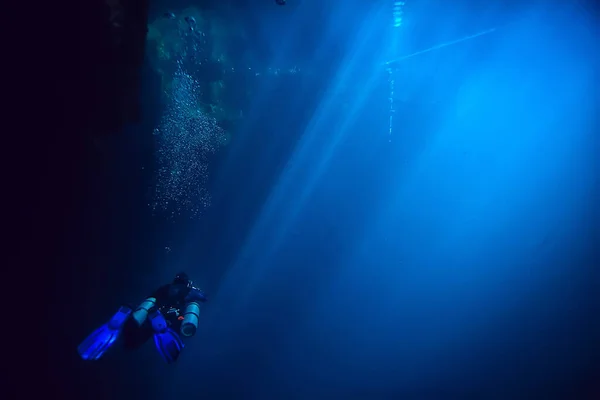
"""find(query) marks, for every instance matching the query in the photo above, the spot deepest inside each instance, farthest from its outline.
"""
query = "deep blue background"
(455, 258)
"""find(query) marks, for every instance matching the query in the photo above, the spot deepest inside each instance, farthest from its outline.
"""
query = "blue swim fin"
(96, 344)
(167, 341)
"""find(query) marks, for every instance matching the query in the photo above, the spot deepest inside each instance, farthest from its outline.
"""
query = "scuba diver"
(173, 309)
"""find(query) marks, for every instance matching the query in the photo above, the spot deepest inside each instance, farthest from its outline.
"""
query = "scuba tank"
(191, 317)
(141, 312)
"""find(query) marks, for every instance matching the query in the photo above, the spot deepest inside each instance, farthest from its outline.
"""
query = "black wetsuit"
(171, 300)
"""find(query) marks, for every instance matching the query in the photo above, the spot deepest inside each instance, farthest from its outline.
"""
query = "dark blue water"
(453, 256)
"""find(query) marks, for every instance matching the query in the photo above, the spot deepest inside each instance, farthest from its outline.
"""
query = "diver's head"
(182, 279)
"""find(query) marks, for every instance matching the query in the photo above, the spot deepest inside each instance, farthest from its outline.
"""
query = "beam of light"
(458, 255)
(261, 98)
(446, 283)
(309, 161)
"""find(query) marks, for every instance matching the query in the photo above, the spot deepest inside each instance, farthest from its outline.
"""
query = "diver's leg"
(135, 336)
(167, 341)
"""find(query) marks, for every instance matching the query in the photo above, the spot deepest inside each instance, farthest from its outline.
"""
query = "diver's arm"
(196, 295)
(161, 294)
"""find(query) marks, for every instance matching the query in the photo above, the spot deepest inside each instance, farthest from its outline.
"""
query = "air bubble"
(186, 137)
